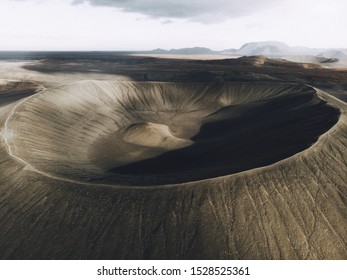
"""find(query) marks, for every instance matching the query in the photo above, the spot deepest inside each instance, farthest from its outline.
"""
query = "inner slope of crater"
(131, 133)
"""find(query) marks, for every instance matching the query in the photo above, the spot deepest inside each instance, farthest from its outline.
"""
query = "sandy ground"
(75, 148)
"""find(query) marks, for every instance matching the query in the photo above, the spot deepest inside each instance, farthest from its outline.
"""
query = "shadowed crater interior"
(131, 133)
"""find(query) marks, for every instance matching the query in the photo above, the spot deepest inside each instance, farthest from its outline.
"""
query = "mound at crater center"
(132, 133)
(153, 135)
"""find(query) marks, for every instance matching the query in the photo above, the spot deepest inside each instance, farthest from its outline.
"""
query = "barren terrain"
(107, 156)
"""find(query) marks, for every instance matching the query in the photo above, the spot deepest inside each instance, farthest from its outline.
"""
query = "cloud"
(205, 11)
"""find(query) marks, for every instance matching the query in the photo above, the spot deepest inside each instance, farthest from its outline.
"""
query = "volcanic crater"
(160, 133)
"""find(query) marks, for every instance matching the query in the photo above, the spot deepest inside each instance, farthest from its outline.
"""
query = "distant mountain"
(266, 48)
(263, 48)
(158, 51)
(229, 51)
(196, 50)
(275, 48)
(186, 51)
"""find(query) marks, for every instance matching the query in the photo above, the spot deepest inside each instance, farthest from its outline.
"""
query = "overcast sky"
(149, 24)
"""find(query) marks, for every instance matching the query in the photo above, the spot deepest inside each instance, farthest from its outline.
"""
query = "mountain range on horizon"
(266, 48)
